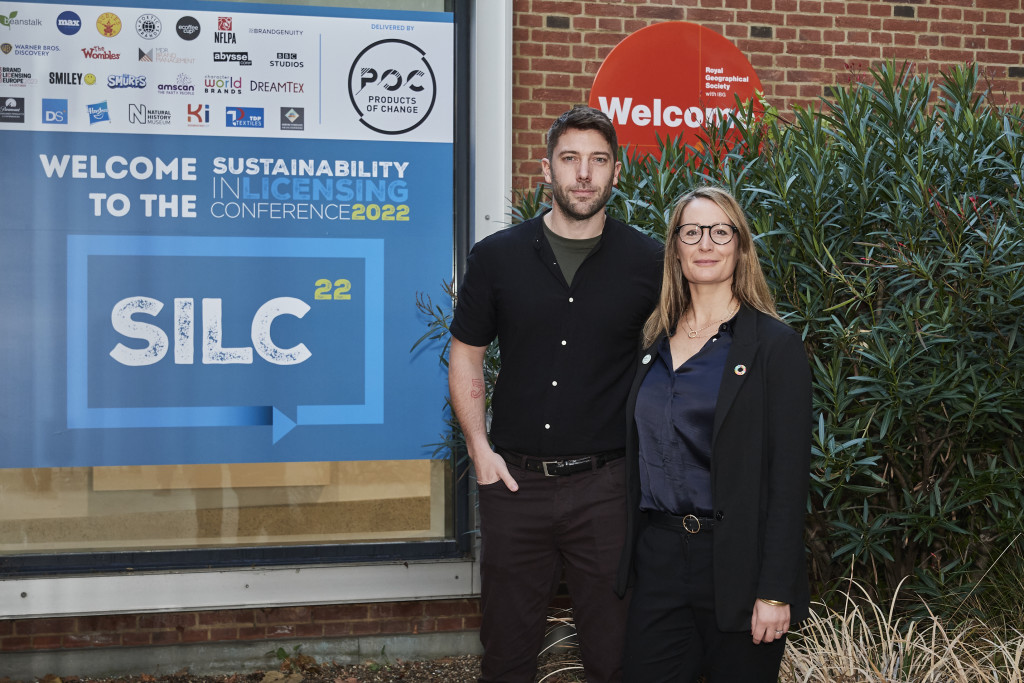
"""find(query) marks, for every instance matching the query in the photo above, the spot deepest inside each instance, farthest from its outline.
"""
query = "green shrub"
(889, 222)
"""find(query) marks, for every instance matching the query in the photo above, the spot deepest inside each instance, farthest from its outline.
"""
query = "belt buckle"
(687, 524)
(544, 464)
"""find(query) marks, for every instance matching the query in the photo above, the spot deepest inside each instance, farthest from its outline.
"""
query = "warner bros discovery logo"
(392, 86)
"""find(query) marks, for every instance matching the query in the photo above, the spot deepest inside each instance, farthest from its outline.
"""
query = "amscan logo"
(392, 86)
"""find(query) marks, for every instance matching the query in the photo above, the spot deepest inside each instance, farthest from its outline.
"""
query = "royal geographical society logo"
(243, 117)
(12, 110)
(98, 112)
(392, 86)
(55, 111)
(293, 118)
(69, 23)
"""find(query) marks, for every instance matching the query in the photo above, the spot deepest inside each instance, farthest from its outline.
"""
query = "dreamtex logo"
(243, 117)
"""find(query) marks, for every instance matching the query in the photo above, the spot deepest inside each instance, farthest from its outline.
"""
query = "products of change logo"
(187, 28)
(148, 26)
(69, 23)
(392, 86)
(108, 24)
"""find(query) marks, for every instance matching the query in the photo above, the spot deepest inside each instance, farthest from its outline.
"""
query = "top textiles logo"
(392, 86)
(243, 117)
(69, 23)
(148, 26)
(188, 28)
(108, 24)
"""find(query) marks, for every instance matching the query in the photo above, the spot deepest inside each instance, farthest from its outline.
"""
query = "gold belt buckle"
(686, 523)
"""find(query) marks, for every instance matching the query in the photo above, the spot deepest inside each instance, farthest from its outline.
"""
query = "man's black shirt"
(566, 351)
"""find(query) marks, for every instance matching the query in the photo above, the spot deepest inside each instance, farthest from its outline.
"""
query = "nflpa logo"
(223, 23)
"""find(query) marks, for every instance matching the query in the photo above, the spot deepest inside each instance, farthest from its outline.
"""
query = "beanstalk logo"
(6, 20)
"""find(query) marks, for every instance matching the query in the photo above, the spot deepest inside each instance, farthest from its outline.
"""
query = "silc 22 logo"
(392, 86)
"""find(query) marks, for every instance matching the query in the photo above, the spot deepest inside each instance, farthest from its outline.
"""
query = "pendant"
(691, 334)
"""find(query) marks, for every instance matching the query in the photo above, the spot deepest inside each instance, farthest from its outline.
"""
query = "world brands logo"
(99, 52)
(243, 117)
(119, 81)
(222, 85)
(69, 23)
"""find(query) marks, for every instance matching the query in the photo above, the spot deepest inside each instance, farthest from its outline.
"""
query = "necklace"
(692, 334)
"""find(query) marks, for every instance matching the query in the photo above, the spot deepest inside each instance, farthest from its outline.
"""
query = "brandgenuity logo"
(392, 86)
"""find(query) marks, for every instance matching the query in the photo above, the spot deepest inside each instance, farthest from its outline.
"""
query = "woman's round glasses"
(691, 233)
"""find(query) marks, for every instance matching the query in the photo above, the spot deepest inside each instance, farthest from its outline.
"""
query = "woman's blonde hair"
(748, 282)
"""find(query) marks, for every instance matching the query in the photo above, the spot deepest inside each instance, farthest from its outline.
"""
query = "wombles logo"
(99, 52)
(392, 86)
(12, 110)
(69, 23)
(148, 26)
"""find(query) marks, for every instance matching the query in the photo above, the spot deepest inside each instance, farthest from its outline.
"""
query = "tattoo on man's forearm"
(478, 388)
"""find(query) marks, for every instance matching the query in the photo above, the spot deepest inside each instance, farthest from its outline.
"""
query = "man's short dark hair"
(583, 118)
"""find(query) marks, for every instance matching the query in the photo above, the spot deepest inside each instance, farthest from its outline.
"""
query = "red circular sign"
(669, 79)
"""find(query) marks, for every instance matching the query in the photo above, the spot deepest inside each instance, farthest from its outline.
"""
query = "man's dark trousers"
(575, 523)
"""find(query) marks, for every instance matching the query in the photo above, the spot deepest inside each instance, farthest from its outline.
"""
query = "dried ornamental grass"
(867, 644)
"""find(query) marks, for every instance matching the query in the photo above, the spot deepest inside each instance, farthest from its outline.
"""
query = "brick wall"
(305, 623)
(797, 47)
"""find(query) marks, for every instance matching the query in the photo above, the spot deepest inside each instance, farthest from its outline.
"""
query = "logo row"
(56, 111)
(212, 84)
(148, 26)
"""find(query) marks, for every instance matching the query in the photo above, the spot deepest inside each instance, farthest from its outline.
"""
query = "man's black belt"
(560, 467)
(691, 524)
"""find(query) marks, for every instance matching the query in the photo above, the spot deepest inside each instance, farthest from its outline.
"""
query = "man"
(566, 294)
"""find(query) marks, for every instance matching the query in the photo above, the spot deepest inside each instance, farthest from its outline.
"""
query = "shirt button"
(547, 426)
(564, 342)
(570, 299)
(555, 383)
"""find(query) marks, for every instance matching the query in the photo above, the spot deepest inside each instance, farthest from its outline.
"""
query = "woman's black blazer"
(760, 471)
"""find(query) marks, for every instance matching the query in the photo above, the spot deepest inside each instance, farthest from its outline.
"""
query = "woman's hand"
(768, 622)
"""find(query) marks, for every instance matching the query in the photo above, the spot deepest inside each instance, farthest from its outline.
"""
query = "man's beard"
(577, 210)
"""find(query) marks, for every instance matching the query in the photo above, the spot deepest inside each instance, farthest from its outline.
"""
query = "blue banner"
(221, 277)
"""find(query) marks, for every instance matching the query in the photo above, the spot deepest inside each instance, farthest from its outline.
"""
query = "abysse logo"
(392, 86)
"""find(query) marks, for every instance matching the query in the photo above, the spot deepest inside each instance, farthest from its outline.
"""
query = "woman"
(719, 462)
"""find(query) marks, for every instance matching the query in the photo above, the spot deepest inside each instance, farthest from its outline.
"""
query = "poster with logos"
(216, 220)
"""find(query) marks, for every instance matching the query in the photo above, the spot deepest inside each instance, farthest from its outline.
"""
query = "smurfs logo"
(98, 112)
(392, 86)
